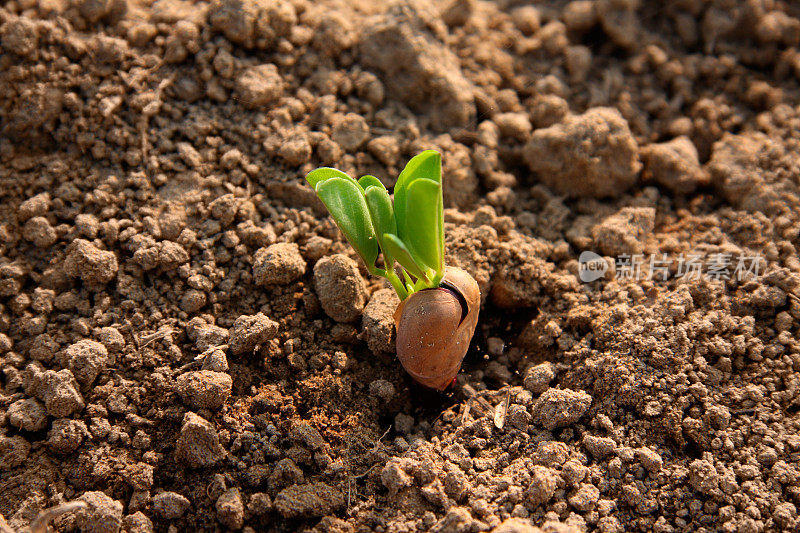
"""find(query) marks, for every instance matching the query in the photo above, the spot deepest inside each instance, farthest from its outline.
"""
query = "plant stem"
(409, 281)
(426, 281)
(390, 274)
(397, 284)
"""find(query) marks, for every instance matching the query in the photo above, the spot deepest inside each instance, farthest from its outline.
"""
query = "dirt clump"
(198, 444)
(259, 86)
(170, 505)
(204, 389)
(312, 499)
(593, 154)
(27, 414)
(673, 164)
(248, 332)
(93, 265)
(556, 407)
(86, 359)
(377, 321)
(340, 288)
(403, 46)
(278, 264)
(624, 232)
(101, 515)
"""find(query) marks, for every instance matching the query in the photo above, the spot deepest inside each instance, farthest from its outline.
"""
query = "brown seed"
(435, 326)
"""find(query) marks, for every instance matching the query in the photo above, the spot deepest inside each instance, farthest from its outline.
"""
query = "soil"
(187, 342)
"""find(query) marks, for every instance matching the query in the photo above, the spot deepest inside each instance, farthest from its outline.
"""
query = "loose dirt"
(187, 344)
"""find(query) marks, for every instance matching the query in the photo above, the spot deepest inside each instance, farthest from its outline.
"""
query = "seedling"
(409, 230)
(439, 305)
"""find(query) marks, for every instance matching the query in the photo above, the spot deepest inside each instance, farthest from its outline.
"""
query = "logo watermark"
(591, 266)
(661, 267)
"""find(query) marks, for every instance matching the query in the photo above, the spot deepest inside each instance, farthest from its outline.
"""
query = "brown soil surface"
(184, 346)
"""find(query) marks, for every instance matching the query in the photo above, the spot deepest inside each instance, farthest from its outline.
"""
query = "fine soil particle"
(188, 343)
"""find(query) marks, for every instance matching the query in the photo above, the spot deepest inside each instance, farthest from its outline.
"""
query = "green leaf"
(409, 230)
(368, 181)
(419, 211)
(422, 233)
(348, 207)
(398, 250)
(428, 165)
(381, 212)
(320, 175)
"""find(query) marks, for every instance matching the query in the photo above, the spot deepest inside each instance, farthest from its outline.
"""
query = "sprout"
(409, 230)
(439, 305)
